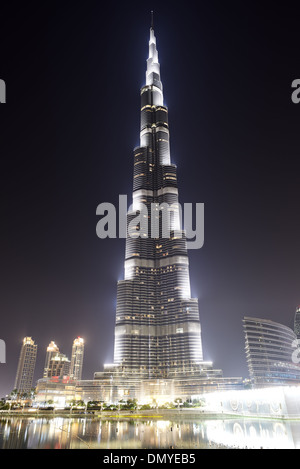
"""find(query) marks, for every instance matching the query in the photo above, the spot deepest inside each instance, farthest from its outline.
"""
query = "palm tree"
(14, 394)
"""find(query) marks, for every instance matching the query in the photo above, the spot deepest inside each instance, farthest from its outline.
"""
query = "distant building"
(77, 358)
(297, 323)
(59, 366)
(52, 350)
(270, 348)
(26, 365)
(59, 390)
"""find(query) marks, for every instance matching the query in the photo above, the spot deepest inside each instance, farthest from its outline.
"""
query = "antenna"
(152, 22)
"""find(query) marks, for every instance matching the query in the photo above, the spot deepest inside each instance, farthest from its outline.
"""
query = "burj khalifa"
(157, 330)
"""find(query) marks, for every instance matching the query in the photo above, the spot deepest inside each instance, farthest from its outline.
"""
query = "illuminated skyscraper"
(26, 365)
(77, 358)
(52, 350)
(157, 331)
(59, 365)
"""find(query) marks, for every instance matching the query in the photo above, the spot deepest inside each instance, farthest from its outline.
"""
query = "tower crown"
(153, 66)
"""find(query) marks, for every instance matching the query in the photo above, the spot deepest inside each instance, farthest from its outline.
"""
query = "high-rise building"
(52, 350)
(157, 330)
(158, 347)
(26, 365)
(297, 322)
(77, 358)
(59, 365)
(270, 348)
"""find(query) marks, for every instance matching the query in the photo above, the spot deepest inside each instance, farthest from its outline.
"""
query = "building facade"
(59, 365)
(158, 347)
(270, 348)
(297, 322)
(59, 391)
(157, 330)
(26, 365)
(77, 359)
(52, 350)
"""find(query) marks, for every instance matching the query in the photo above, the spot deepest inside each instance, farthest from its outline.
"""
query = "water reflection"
(56, 433)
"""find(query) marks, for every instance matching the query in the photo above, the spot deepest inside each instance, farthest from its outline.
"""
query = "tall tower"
(26, 365)
(52, 350)
(77, 358)
(157, 331)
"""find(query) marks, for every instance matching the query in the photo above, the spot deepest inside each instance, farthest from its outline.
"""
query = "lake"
(146, 433)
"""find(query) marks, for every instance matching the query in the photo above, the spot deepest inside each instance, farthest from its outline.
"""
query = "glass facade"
(270, 348)
(297, 323)
(157, 331)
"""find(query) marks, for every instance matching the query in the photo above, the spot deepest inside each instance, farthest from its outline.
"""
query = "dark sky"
(73, 72)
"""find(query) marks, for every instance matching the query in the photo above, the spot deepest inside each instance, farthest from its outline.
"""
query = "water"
(76, 433)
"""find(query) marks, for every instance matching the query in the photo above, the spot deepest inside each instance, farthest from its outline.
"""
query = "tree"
(77, 403)
(14, 394)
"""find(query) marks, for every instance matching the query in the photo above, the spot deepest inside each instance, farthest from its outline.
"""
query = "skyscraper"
(26, 365)
(52, 350)
(157, 330)
(77, 358)
(59, 365)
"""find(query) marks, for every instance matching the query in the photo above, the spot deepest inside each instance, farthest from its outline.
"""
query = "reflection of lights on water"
(248, 436)
(196, 428)
(162, 424)
(250, 433)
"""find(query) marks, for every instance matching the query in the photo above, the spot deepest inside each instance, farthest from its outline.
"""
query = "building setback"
(157, 330)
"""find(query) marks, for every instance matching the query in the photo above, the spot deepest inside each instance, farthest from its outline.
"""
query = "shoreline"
(127, 415)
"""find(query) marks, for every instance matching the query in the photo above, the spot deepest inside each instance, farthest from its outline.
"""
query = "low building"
(270, 348)
(57, 391)
(297, 322)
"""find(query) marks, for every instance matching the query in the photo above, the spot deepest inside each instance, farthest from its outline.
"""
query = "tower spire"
(153, 67)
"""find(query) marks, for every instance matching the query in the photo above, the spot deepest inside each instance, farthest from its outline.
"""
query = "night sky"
(73, 73)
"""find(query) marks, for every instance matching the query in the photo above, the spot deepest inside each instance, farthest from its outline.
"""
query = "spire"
(153, 67)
